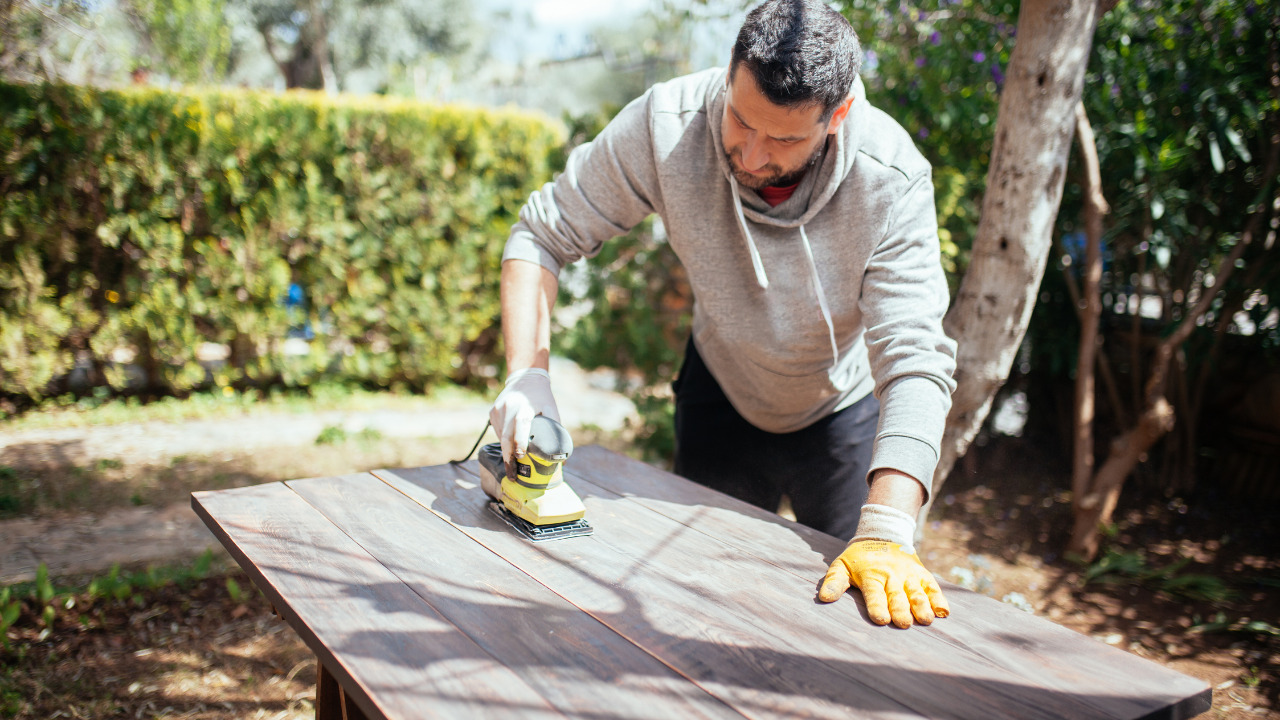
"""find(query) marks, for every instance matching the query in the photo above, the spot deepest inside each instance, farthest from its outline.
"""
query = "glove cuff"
(881, 522)
(517, 374)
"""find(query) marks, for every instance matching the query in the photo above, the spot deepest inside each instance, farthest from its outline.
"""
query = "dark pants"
(821, 468)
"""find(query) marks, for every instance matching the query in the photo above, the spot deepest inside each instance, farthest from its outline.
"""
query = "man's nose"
(754, 156)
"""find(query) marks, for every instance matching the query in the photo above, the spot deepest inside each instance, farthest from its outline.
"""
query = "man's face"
(770, 144)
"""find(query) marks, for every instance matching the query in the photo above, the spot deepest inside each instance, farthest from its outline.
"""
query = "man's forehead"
(751, 107)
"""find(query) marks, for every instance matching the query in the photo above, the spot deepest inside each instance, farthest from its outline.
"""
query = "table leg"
(332, 702)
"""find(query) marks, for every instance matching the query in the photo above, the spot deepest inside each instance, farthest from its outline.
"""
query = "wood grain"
(684, 603)
(580, 666)
(981, 630)
(749, 630)
(716, 616)
(393, 654)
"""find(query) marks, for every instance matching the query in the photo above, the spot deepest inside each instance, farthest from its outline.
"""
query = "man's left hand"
(894, 583)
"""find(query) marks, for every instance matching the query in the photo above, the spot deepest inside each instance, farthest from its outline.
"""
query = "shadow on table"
(709, 585)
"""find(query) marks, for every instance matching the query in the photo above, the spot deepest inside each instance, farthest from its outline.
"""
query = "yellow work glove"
(893, 582)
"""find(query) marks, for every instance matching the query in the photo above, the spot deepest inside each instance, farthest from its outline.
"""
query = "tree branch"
(1155, 384)
(1095, 206)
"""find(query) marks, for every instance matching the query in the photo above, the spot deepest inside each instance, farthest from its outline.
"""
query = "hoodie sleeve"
(904, 298)
(608, 186)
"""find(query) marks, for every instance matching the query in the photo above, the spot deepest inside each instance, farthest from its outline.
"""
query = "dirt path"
(86, 542)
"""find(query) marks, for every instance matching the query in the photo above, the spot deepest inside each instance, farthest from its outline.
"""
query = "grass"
(41, 476)
(44, 486)
(40, 602)
(37, 490)
(69, 411)
(1117, 567)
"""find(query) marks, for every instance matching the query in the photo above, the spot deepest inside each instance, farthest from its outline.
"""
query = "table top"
(683, 603)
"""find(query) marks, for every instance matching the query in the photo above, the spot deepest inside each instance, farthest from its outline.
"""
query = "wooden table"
(685, 603)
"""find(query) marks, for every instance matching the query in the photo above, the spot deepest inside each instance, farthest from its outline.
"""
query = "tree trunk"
(308, 64)
(1033, 135)
(1095, 507)
(1095, 206)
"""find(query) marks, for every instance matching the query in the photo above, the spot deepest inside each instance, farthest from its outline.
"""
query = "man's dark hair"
(800, 52)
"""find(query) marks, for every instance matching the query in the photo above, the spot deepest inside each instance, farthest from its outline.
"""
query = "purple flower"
(920, 62)
(935, 37)
(1115, 90)
(922, 133)
(979, 57)
(997, 74)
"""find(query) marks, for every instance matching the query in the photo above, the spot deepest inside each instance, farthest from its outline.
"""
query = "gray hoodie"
(801, 309)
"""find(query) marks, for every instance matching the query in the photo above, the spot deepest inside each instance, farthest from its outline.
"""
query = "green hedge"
(145, 223)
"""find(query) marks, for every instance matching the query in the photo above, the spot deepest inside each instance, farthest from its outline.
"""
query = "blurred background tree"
(189, 39)
(340, 44)
(44, 40)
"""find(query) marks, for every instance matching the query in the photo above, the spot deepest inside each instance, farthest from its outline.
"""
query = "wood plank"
(1015, 687)
(783, 543)
(1019, 643)
(820, 660)
(583, 668)
(392, 653)
(716, 616)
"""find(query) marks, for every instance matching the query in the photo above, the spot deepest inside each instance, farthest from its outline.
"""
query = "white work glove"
(527, 394)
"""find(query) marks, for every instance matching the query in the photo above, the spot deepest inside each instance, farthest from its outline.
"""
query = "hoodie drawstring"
(751, 244)
(822, 297)
(758, 264)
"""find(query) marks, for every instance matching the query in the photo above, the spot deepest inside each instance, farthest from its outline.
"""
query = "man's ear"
(837, 117)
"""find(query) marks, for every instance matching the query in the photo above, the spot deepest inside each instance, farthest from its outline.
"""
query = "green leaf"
(234, 591)
(1215, 154)
(44, 587)
(9, 614)
(1237, 143)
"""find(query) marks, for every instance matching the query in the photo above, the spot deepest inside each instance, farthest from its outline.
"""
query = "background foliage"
(1186, 95)
(1183, 102)
(136, 226)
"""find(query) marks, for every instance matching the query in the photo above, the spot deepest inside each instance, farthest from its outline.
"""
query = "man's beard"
(775, 177)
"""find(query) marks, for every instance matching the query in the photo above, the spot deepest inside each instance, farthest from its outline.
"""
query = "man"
(805, 219)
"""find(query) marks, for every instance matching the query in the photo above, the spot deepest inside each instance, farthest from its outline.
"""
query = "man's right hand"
(895, 585)
(527, 394)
